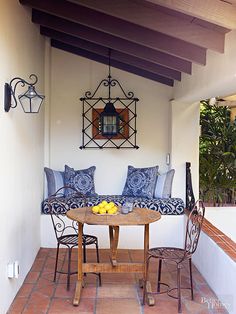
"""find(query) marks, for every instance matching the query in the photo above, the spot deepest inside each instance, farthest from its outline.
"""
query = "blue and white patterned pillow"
(55, 181)
(81, 180)
(164, 184)
(140, 182)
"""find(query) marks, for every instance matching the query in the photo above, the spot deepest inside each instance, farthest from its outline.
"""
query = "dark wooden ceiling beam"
(110, 41)
(115, 55)
(120, 28)
(114, 63)
(152, 16)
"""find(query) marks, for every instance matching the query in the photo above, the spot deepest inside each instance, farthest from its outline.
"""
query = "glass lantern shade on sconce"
(30, 100)
(109, 120)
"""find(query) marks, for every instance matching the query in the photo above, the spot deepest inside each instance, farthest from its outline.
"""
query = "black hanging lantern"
(109, 119)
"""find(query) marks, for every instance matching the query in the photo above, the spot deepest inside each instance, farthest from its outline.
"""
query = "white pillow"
(164, 184)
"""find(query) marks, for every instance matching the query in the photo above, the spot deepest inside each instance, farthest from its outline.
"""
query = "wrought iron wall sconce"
(30, 100)
(109, 122)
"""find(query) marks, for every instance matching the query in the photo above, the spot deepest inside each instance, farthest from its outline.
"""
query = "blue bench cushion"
(166, 206)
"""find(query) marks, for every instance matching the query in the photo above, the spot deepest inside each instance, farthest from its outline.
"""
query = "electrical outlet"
(10, 270)
(13, 270)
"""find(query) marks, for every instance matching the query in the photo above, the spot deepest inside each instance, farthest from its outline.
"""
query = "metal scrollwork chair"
(67, 235)
(178, 255)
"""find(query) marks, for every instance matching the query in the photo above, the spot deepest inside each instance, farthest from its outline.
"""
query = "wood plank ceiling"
(156, 39)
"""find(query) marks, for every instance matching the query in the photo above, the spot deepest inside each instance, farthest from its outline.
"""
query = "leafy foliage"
(217, 154)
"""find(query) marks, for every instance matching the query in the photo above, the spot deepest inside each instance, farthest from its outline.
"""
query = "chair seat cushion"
(166, 206)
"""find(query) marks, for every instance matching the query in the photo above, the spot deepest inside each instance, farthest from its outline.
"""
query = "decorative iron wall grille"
(125, 105)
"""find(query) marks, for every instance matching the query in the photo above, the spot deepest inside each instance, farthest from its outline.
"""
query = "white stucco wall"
(21, 142)
(70, 83)
(184, 145)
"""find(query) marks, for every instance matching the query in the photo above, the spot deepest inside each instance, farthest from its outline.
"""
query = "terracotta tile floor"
(119, 293)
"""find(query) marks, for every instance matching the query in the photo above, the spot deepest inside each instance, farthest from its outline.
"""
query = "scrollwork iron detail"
(194, 225)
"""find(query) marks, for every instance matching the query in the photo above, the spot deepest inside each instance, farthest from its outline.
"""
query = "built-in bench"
(168, 231)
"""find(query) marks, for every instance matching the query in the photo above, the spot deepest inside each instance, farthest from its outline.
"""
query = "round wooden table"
(84, 215)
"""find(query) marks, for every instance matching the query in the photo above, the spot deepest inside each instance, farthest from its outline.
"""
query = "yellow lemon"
(104, 203)
(111, 204)
(115, 209)
(95, 209)
(100, 205)
(111, 212)
(107, 207)
(102, 211)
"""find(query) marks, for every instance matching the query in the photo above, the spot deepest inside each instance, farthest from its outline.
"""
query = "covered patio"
(171, 56)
